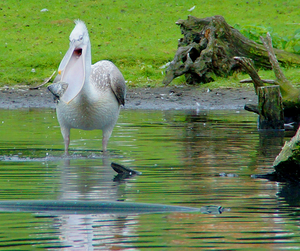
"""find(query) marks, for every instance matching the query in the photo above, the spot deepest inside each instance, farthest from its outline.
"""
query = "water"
(186, 159)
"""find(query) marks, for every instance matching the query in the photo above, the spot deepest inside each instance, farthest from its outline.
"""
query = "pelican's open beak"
(72, 70)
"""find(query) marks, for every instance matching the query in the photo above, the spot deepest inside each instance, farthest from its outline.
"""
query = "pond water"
(187, 158)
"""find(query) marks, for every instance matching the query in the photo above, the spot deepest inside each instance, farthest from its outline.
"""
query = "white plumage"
(94, 93)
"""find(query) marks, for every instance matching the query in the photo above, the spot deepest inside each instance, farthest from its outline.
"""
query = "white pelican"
(88, 96)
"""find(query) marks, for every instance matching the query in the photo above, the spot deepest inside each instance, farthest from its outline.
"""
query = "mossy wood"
(290, 94)
(270, 108)
(208, 48)
(287, 163)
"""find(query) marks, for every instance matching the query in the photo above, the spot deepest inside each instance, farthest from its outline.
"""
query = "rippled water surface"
(186, 159)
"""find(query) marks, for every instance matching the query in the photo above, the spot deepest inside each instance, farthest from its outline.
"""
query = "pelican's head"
(79, 35)
(75, 67)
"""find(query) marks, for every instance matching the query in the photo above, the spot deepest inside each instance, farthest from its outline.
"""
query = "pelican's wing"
(105, 74)
(58, 89)
(117, 83)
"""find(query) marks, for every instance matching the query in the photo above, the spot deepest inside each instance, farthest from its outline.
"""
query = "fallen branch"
(266, 81)
(288, 91)
(248, 66)
(45, 82)
(290, 94)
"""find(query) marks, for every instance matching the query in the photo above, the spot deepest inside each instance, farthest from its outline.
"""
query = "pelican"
(88, 96)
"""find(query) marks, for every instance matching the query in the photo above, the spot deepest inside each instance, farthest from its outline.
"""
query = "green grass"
(138, 36)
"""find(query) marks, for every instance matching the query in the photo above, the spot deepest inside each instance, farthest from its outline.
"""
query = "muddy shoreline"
(162, 98)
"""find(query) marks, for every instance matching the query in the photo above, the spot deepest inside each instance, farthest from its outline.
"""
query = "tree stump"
(270, 108)
(290, 94)
(208, 47)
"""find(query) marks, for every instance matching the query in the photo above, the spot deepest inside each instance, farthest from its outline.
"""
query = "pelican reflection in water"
(88, 96)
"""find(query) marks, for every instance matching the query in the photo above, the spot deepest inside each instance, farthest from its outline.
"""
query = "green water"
(186, 159)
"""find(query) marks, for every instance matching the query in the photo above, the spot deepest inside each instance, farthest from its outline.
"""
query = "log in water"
(98, 207)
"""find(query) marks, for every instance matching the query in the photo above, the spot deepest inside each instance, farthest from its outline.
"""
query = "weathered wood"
(208, 47)
(248, 65)
(251, 108)
(270, 108)
(287, 163)
(267, 81)
(267, 42)
(45, 82)
(288, 91)
(290, 94)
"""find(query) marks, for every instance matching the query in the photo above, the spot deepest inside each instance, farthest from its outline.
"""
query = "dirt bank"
(162, 98)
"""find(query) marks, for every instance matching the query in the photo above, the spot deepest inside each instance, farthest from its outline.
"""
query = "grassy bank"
(138, 36)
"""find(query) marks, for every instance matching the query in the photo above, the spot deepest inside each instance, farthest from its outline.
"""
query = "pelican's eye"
(80, 37)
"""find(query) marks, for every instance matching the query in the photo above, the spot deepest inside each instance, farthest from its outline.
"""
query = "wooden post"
(270, 108)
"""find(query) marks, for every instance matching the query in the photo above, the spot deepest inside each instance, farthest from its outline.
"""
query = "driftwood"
(208, 48)
(288, 91)
(45, 82)
(290, 94)
(287, 163)
(248, 66)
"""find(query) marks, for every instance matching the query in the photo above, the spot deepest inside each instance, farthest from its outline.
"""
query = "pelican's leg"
(106, 136)
(66, 135)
